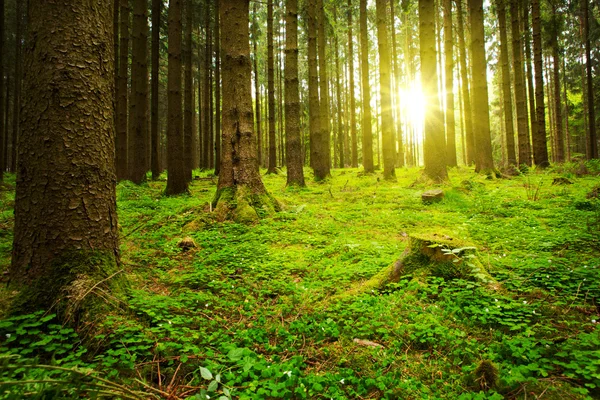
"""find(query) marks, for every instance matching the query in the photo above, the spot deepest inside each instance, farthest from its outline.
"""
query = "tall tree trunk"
(540, 149)
(271, 90)
(325, 144)
(449, 81)
(567, 130)
(558, 130)
(351, 91)
(6, 113)
(295, 173)
(239, 179)
(519, 86)
(201, 115)
(434, 154)
(176, 180)
(17, 87)
(511, 156)
(217, 88)
(122, 93)
(367, 128)
(484, 162)
(155, 56)
(257, 94)
(313, 90)
(139, 77)
(187, 92)
(385, 87)
(465, 83)
(396, 89)
(2, 126)
(528, 61)
(65, 248)
(592, 138)
(340, 134)
(206, 161)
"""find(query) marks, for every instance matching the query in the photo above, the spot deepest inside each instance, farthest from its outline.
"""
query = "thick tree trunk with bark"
(465, 83)
(449, 83)
(240, 190)
(524, 146)
(295, 173)
(2, 127)
(540, 149)
(122, 92)
(271, 91)
(367, 129)
(177, 182)
(217, 88)
(65, 247)
(188, 88)
(385, 86)
(352, 101)
(155, 56)
(435, 149)
(139, 82)
(484, 162)
(592, 142)
(324, 163)
(511, 156)
(316, 151)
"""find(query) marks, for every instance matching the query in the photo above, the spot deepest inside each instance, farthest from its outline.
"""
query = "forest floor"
(274, 309)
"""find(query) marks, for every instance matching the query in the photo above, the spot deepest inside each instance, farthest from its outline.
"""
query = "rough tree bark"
(449, 83)
(465, 83)
(435, 149)
(351, 84)
(65, 248)
(540, 148)
(240, 189)
(313, 93)
(558, 129)
(367, 128)
(217, 89)
(324, 162)
(2, 127)
(532, 113)
(592, 142)
(272, 164)
(155, 57)
(385, 87)
(295, 173)
(257, 109)
(176, 180)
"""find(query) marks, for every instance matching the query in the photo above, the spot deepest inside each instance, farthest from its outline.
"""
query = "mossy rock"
(242, 204)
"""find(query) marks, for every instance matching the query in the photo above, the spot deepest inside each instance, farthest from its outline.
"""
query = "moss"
(241, 204)
(80, 286)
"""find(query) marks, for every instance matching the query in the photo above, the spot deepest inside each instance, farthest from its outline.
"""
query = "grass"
(270, 310)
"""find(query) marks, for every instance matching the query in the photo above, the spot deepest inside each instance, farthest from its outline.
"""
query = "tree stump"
(432, 196)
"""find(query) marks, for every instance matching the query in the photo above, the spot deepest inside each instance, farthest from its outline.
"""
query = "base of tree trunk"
(79, 286)
(244, 205)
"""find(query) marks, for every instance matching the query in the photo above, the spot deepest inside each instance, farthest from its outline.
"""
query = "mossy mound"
(244, 205)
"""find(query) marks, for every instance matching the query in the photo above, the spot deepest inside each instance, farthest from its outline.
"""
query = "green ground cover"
(275, 310)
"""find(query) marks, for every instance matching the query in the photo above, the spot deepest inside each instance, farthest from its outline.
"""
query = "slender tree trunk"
(211, 113)
(122, 93)
(17, 87)
(435, 155)
(351, 91)
(6, 113)
(519, 86)
(206, 161)
(558, 130)
(271, 90)
(340, 134)
(2, 126)
(139, 75)
(65, 248)
(528, 58)
(177, 182)
(154, 133)
(257, 94)
(540, 150)
(217, 88)
(511, 156)
(465, 83)
(592, 138)
(187, 92)
(201, 115)
(325, 144)
(396, 89)
(449, 81)
(316, 155)
(484, 162)
(367, 129)
(295, 173)
(567, 130)
(385, 86)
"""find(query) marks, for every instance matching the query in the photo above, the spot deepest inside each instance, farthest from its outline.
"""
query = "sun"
(413, 105)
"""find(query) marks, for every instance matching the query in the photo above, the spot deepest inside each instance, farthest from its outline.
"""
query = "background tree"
(592, 143)
(540, 149)
(352, 99)
(435, 144)
(325, 143)
(66, 240)
(122, 92)
(449, 85)
(271, 90)
(2, 127)
(367, 128)
(155, 61)
(466, 87)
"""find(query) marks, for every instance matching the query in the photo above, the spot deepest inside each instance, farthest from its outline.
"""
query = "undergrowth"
(267, 311)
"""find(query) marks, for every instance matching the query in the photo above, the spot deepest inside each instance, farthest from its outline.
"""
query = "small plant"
(532, 189)
(486, 375)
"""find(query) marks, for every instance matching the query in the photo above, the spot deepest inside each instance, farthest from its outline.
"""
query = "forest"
(299, 199)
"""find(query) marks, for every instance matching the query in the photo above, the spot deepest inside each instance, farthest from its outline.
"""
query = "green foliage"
(271, 309)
